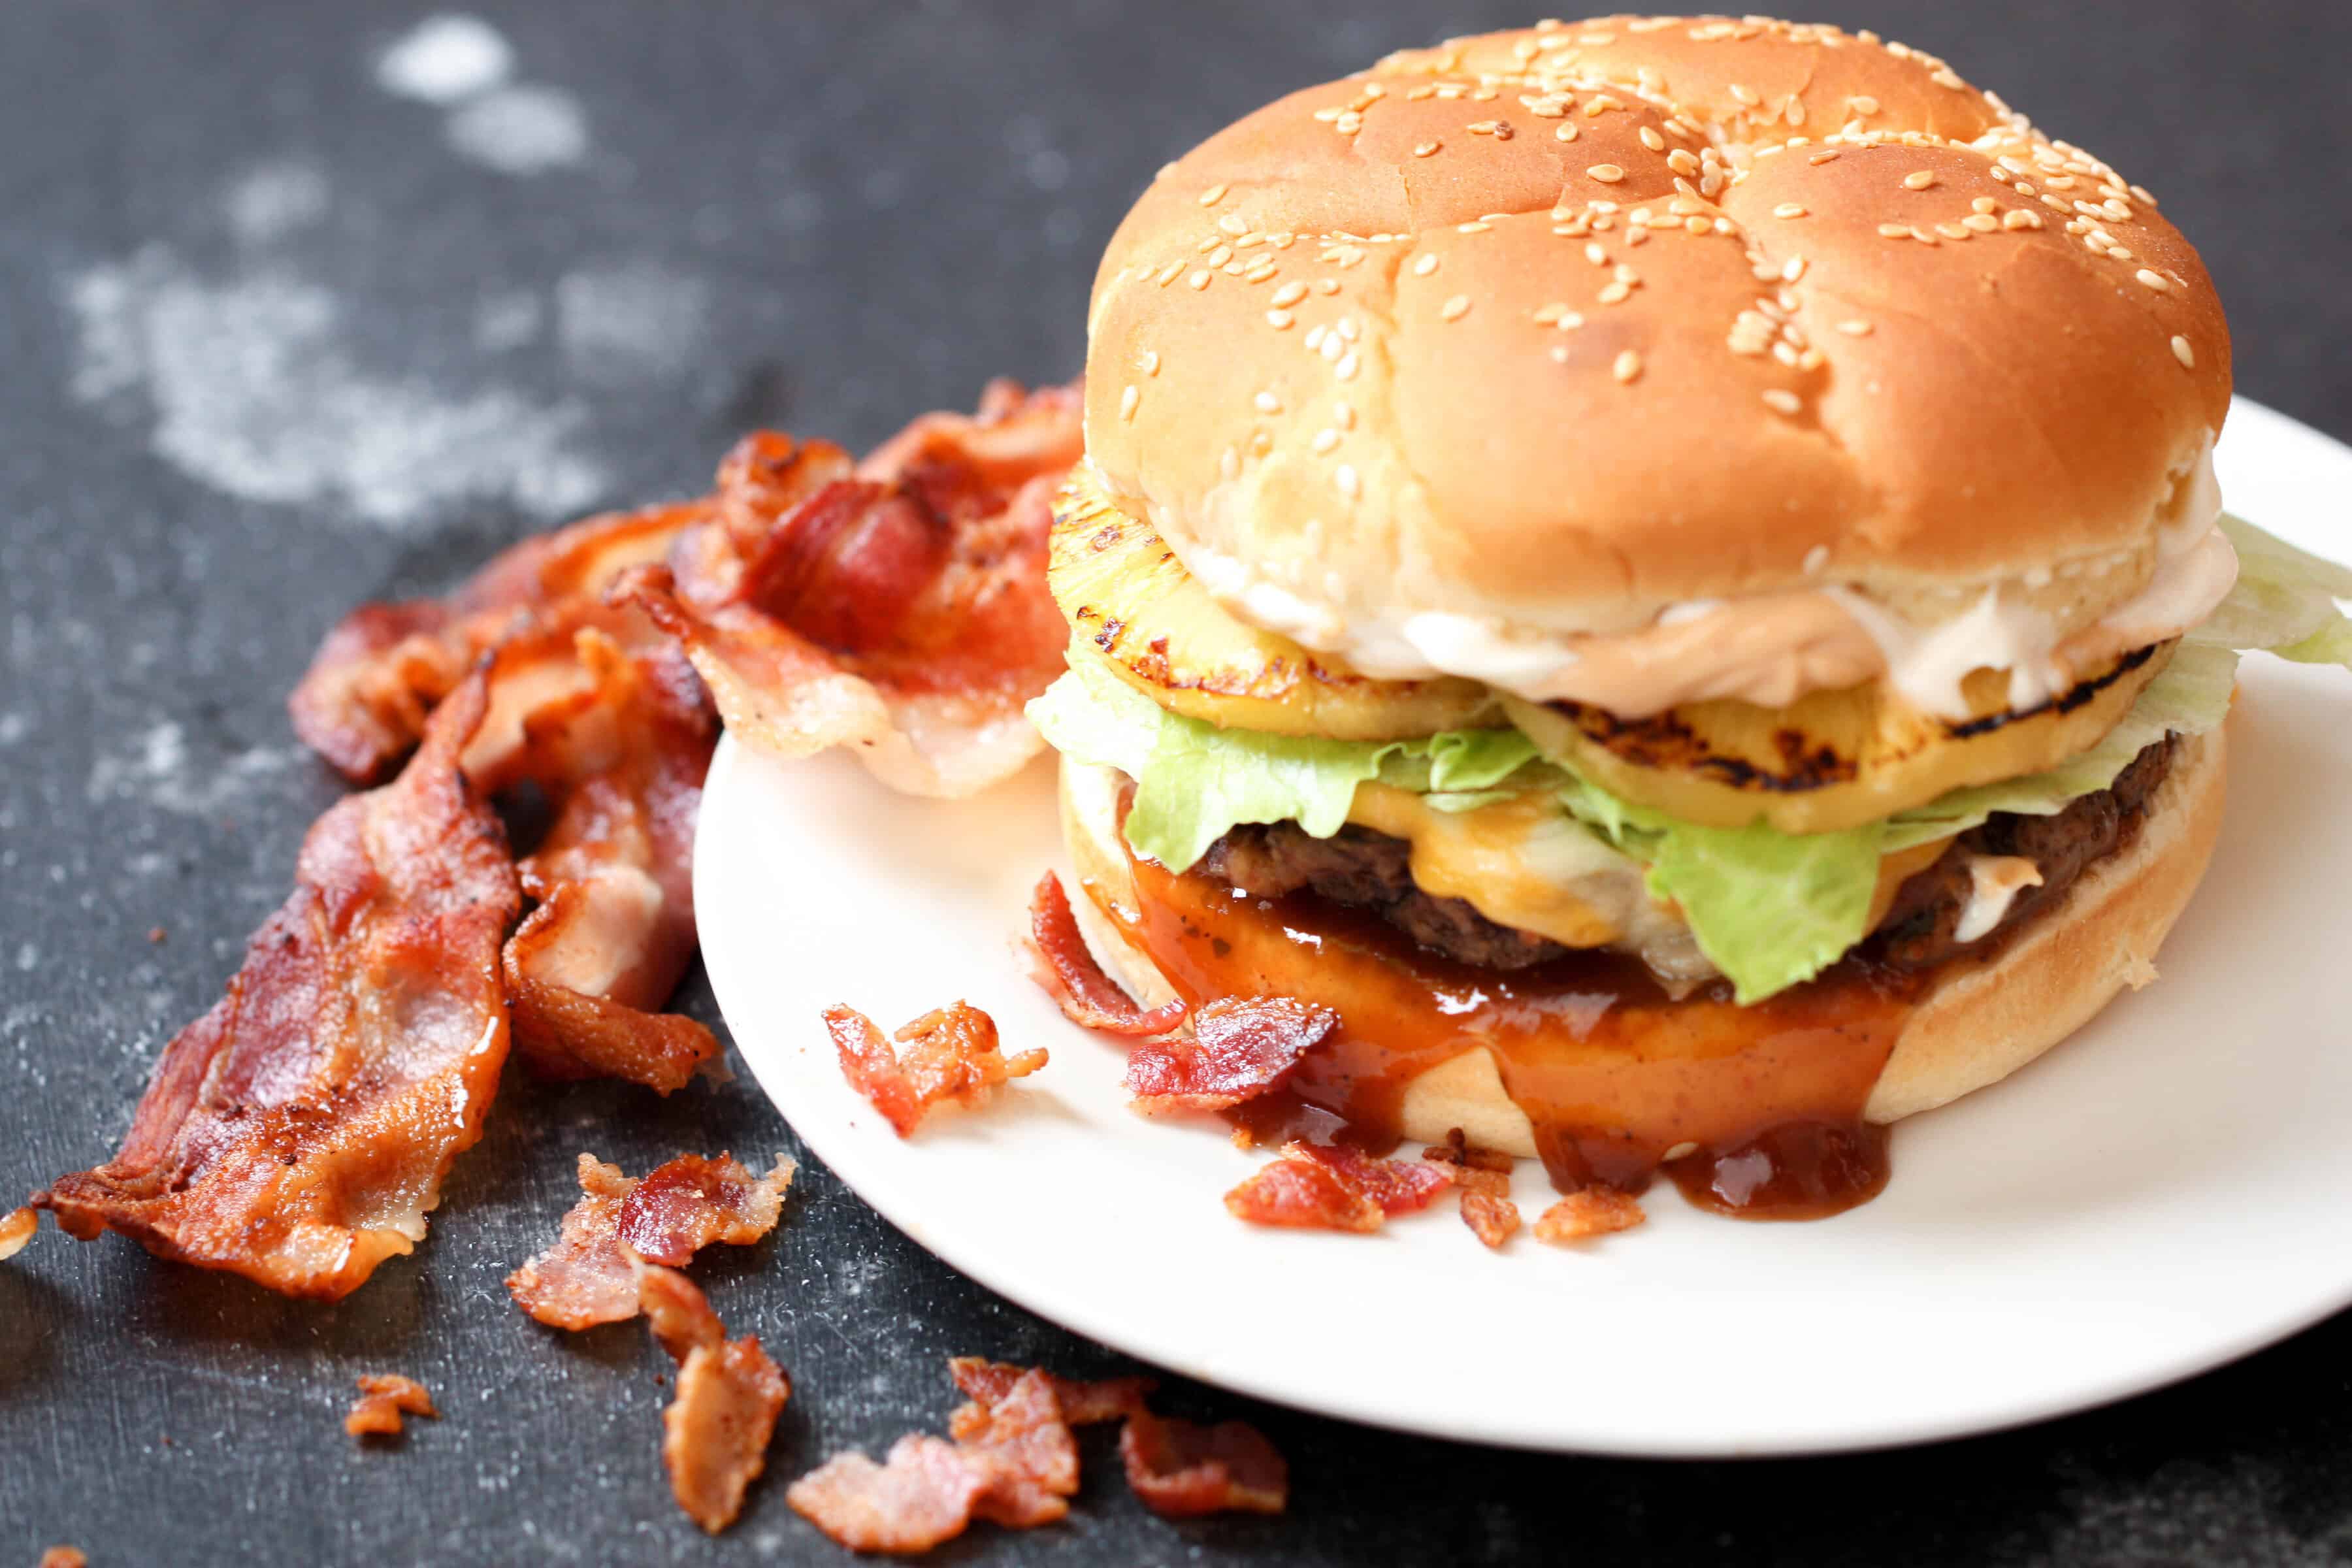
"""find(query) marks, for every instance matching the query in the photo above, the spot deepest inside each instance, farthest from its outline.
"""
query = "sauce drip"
(1759, 1107)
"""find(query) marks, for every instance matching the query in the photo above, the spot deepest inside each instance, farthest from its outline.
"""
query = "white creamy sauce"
(1994, 882)
(1766, 648)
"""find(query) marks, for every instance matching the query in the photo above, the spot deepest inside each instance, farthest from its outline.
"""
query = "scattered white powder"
(255, 392)
(508, 321)
(12, 728)
(445, 59)
(155, 768)
(522, 130)
(630, 318)
(273, 200)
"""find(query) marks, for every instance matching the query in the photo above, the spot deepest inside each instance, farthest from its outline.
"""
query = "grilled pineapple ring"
(1125, 592)
(1830, 759)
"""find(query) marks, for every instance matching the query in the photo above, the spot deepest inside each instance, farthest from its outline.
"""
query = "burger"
(1669, 573)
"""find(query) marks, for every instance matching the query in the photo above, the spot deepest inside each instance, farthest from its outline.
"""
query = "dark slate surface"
(276, 343)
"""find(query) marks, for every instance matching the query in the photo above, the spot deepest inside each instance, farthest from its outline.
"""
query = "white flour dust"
(255, 392)
(156, 769)
(463, 65)
(630, 320)
(270, 201)
(445, 59)
(520, 130)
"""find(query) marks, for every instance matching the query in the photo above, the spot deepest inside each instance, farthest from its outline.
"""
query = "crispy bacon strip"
(383, 1399)
(716, 1431)
(985, 1382)
(951, 1055)
(363, 703)
(1087, 997)
(1181, 1469)
(678, 1209)
(618, 744)
(297, 1133)
(898, 608)
(15, 1230)
(1238, 1049)
(1589, 1212)
(925, 1494)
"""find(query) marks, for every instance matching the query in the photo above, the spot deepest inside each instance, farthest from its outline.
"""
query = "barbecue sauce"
(1759, 1107)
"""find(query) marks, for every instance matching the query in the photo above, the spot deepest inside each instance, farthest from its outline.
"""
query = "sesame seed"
(1267, 403)
(2183, 353)
(1560, 354)
(1793, 270)
(1789, 209)
(1425, 265)
(1616, 293)
(1167, 273)
(1895, 230)
(1747, 95)
(1346, 369)
(1165, 170)
(1290, 293)
(1127, 400)
(1982, 222)
(1220, 255)
(1315, 337)
(1475, 225)
(1681, 161)
(1346, 327)
(1200, 279)
(1344, 477)
(1150, 362)
(1953, 231)
(2153, 280)
(1782, 401)
(1864, 104)
(1984, 204)
(2021, 217)
(1344, 416)
(1233, 224)
(1827, 156)
(1923, 237)
(1326, 285)
(1426, 148)
(1454, 309)
(1628, 365)
(1213, 195)
(1325, 440)
(1919, 179)
(1651, 140)
(1695, 224)
(1594, 254)
(1279, 320)
(1607, 173)
(1945, 78)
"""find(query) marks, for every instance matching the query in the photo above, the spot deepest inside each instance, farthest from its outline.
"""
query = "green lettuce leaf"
(1770, 909)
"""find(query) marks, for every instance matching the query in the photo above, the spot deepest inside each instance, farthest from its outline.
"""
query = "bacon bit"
(297, 1133)
(1304, 1193)
(1398, 1186)
(901, 609)
(715, 1433)
(1083, 1403)
(1181, 1469)
(1025, 1441)
(618, 744)
(64, 1557)
(1087, 997)
(382, 1399)
(952, 1054)
(1238, 1049)
(363, 703)
(1495, 1218)
(925, 1494)
(1457, 1152)
(15, 1230)
(678, 1209)
(1589, 1212)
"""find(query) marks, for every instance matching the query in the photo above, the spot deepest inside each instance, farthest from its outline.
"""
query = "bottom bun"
(1977, 1023)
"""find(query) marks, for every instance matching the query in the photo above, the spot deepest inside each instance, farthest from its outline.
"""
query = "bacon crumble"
(1331, 1187)
(1071, 975)
(15, 1230)
(950, 1054)
(717, 1428)
(1484, 1176)
(383, 1399)
(297, 1133)
(1181, 1469)
(985, 1382)
(1234, 1049)
(925, 1493)
(673, 1212)
(1589, 1212)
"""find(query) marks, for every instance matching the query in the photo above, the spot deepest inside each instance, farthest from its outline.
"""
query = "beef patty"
(1368, 870)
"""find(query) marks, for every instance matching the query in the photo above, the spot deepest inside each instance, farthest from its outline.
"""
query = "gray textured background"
(275, 342)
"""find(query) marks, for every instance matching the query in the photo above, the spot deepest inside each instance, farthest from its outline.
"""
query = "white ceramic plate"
(2163, 1195)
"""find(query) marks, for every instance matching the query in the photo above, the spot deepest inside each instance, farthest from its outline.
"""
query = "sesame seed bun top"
(1565, 326)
